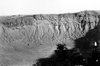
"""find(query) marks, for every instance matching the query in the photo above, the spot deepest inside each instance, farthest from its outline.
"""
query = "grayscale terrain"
(25, 38)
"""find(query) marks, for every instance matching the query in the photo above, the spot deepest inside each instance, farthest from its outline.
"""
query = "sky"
(30, 7)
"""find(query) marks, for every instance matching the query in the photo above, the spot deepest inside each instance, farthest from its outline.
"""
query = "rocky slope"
(28, 36)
